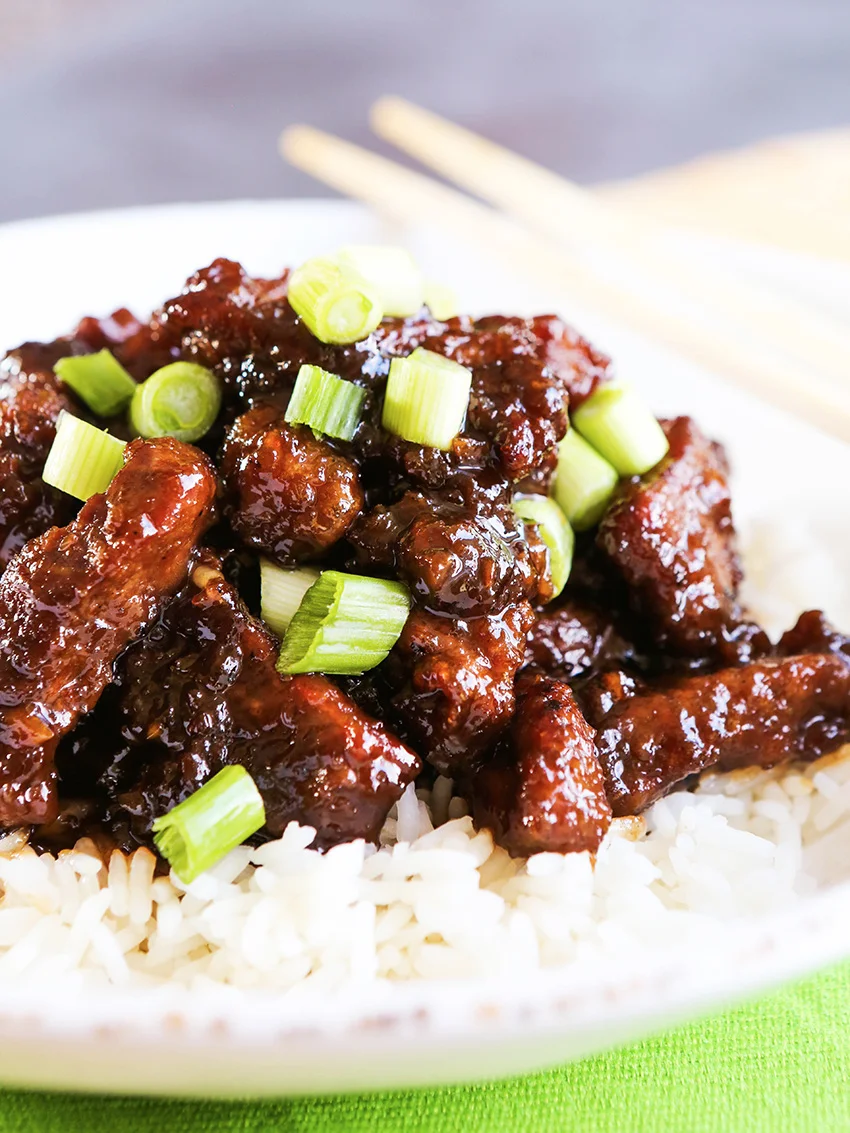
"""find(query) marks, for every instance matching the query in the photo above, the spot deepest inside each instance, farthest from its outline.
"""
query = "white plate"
(53, 271)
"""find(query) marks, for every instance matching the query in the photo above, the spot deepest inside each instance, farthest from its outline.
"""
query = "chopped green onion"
(336, 303)
(219, 816)
(82, 459)
(440, 300)
(555, 532)
(620, 427)
(426, 399)
(346, 623)
(584, 482)
(99, 379)
(328, 404)
(180, 400)
(393, 273)
(281, 591)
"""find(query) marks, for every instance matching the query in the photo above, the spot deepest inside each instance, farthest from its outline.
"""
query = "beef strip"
(813, 634)
(523, 370)
(290, 494)
(543, 789)
(31, 399)
(758, 714)
(573, 638)
(74, 597)
(670, 534)
(462, 550)
(454, 682)
(201, 691)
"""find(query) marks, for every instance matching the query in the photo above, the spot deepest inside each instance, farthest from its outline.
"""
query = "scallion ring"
(346, 624)
(180, 400)
(82, 459)
(214, 820)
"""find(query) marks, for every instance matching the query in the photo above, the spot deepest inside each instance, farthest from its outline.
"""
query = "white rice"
(436, 900)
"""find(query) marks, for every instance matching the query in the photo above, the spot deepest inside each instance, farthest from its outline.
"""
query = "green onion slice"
(82, 459)
(180, 400)
(555, 532)
(584, 482)
(328, 404)
(336, 303)
(281, 591)
(620, 427)
(219, 816)
(346, 623)
(426, 398)
(99, 379)
(440, 300)
(393, 273)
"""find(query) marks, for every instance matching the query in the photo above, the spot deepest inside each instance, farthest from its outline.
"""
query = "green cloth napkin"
(780, 1065)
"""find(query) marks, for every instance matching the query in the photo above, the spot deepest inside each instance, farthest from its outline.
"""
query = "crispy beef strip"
(759, 714)
(72, 599)
(461, 550)
(290, 495)
(575, 637)
(201, 691)
(31, 399)
(670, 535)
(543, 788)
(454, 682)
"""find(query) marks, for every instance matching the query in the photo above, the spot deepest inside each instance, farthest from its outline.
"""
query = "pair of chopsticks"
(779, 349)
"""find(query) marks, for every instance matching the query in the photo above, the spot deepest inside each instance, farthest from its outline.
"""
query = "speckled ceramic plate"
(55, 270)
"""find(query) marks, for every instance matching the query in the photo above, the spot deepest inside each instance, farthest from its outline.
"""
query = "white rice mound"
(437, 900)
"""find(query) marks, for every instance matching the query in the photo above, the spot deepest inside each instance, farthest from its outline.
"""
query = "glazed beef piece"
(670, 534)
(461, 551)
(73, 598)
(201, 691)
(454, 682)
(523, 371)
(290, 495)
(755, 715)
(574, 638)
(813, 634)
(543, 789)
(31, 399)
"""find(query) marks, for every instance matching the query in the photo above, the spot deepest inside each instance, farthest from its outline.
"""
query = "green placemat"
(782, 1064)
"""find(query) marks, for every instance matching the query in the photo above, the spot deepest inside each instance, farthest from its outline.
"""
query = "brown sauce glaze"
(73, 598)
(133, 665)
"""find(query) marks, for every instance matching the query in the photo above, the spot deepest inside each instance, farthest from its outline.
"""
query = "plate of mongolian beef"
(391, 691)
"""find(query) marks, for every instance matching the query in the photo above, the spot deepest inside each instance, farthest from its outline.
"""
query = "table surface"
(117, 102)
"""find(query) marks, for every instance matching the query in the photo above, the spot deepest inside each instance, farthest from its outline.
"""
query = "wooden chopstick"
(559, 209)
(790, 192)
(414, 198)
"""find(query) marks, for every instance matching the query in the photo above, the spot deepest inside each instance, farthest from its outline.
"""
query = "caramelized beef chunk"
(290, 494)
(754, 715)
(543, 788)
(462, 550)
(31, 399)
(813, 634)
(454, 682)
(73, 598)
(573, 638)
(670, 534)
(201, 691)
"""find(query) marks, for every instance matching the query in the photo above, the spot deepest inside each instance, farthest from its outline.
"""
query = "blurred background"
(117, 102)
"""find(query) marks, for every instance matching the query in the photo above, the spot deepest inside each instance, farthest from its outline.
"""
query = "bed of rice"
(436, 899)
